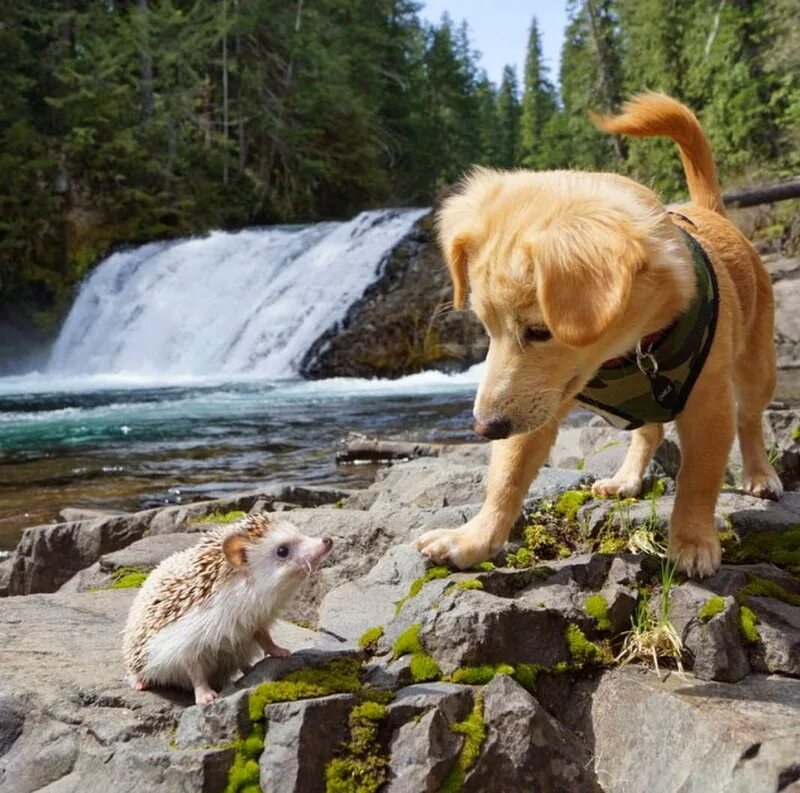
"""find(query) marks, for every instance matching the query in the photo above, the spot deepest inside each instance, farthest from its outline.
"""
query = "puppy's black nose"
(494, 428)
(328, 543)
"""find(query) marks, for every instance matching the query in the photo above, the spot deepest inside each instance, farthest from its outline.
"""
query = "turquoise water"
(126, 443)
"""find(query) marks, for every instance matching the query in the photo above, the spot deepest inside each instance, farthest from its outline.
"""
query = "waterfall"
(245, 303)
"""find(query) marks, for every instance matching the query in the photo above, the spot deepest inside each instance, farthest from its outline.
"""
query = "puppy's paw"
(624, 488)
(462, 547)
(697, 556)
(763, 485)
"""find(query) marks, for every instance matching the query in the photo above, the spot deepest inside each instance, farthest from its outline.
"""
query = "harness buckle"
(646, 361)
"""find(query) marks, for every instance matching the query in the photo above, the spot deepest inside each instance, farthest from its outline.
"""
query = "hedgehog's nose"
(328, 543)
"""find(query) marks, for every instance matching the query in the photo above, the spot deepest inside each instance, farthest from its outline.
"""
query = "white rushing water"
(248, 303)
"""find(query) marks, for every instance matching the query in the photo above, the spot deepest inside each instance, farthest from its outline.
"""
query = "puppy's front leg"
(706, 430)
(515, 461)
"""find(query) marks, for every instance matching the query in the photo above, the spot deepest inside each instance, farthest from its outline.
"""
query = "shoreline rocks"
(420, 676)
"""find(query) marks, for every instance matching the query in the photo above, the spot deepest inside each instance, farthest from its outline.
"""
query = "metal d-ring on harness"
(663, 389)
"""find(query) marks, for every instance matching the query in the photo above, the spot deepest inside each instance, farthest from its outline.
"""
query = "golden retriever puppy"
(592, 292)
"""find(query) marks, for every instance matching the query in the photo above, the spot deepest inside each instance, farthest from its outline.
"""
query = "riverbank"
(519, 655)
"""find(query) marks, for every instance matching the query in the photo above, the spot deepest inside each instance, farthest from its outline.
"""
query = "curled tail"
(652, 114)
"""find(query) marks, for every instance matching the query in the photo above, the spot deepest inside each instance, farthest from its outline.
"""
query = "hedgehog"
(206, 612)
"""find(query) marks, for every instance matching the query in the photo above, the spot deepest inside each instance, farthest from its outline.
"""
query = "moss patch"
(761, 587)
(597, 608)
(469, 583)
(569, 502)
(361, 768)
(416, 586)
(796, 433)
(748, 620)
(481, 674)
(218, 517)
(342, 675)
(657, 489)
(712, 607)
(582, 651)
(473, 728)
(781, 548)
(126, 578)
(370, 637)
(485, 567)
(423, 666)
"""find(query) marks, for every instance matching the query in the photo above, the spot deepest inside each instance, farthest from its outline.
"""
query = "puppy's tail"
(652, 114)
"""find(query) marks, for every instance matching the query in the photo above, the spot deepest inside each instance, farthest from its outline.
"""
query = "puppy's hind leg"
(754, 378)
(628, 480)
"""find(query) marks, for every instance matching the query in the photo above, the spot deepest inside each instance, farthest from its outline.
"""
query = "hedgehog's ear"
(234, 546)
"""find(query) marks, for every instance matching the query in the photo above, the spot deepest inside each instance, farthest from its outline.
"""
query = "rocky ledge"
(577, 660)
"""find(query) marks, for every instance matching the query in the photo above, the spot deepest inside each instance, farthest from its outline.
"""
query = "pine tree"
(508, 118)
(538, 103)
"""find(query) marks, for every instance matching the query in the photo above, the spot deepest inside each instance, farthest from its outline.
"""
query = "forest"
(131, 120)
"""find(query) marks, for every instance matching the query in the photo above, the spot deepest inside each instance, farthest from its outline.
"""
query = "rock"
(429, 482)
(787, 320)
(453, 701)
(358, 449)
(270, 669)
(716, 646)
(398, 326)
(222, 721)
(301, 738)
(73, 514)
(5, 575)
(550, 482)
(144, 554)
(526, 748)
(422, 753)
(48, 556)
(778, 651)
(473, 627)
(684, 735)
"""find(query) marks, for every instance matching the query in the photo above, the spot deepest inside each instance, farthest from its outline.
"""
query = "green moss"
(340, 503)
(542, 571)
(781, 548)
(218, 517)
(243, 775)
(484, 567)
(342, 675)
(543, 543)
(748, 620)
(469, 583)
(408, 642)
(370, 638)
(796, 433)
(581, 650)
(423, 668)
(361, 768)
(527, 675)
(480, 675)
(761, 587)
(611, 544)
(580, 464)
(519, 559)
(473, 728)
(597, 608)
(712, 607)
(416, 586)
(656, 490)
(126, 578)
(569, 502)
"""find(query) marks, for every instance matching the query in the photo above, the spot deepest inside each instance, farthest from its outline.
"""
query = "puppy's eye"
(536, 333)
(283, 551)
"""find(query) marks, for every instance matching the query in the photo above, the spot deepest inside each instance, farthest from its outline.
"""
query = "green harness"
(650, 385)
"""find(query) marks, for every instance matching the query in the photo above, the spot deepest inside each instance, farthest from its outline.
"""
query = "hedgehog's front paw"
(204, 694)
(276, 651)
(462, 547)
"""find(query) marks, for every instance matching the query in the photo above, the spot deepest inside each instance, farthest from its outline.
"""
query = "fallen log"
(762, 194)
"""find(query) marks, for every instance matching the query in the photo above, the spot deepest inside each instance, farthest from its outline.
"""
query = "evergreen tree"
(538, 104)
(508, 118)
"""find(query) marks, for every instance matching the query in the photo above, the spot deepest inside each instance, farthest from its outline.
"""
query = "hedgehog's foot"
(203, 693)
(140, 685)
(268, 645)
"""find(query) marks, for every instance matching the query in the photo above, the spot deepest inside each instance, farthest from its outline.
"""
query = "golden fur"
(596, 259)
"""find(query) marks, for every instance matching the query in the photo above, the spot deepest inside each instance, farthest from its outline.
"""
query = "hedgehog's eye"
(536, 333)
(283, 551)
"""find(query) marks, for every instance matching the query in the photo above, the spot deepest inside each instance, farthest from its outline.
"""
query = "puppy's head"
(564, 270)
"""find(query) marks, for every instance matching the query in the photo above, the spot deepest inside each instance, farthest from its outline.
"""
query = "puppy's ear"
(584, 281)
(456, 255)
(234, 546)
